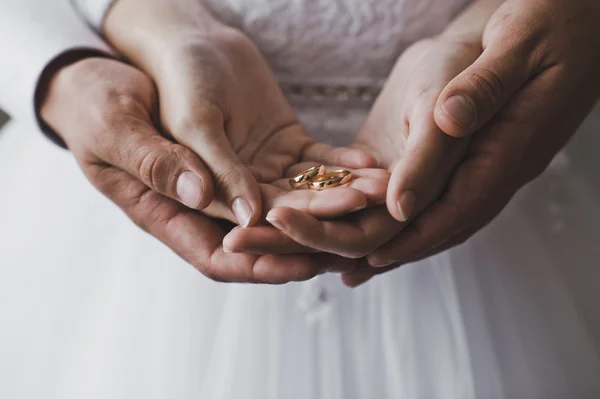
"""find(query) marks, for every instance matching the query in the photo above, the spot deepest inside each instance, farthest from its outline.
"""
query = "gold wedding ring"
(330, 180)
(307, 176)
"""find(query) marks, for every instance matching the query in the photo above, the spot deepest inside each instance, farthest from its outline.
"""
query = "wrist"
(141, 29)
(47, 82)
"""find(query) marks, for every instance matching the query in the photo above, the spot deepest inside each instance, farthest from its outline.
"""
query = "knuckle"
(155, 169)
(513, 22)
(487, 85)
(230, 177)
(181, 155)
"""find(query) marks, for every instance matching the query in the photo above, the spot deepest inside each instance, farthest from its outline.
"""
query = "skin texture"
(402, 134)
(105, 112)
(533, 85)
(529, 89)
(527, 79)
(219, 99)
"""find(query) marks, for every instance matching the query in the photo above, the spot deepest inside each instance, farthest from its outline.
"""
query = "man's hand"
(533, 85)
(104, 110)
(218, 97)
(401, 133)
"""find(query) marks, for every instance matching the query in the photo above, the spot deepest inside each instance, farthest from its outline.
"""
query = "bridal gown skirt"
(92, 307)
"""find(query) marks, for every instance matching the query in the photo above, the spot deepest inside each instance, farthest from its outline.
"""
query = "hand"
(218, 97)
(530, 89)
(104, 110)
(402, 134)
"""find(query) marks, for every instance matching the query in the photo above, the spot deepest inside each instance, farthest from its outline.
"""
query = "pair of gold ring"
(317, 178)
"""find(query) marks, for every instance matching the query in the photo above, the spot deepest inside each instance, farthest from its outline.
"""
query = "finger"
(346, 157)
(471, 99)
(265, 269)
(453, 242)
(421, 174)
(361, 274)
(352, 238)
(427, 231)
(282, 269)
(262, 240)
(486, 181)
(321, 204)
(356, 279)
(269, 240)
(327, 204)
(167, 168)
(187, 232)
(196, 238)
(475, 197)
(235, 183)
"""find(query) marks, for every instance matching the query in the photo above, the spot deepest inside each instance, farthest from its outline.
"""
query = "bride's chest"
(335, 38)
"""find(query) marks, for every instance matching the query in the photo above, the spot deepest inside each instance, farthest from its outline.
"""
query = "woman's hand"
(104, 110)
(533, 85)
(402, 134)
(218, 97)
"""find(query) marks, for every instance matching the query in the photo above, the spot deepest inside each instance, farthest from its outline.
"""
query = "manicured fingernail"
(243, 211)
(189, 189)
(276, 222)
(406, 205)
(461, 110)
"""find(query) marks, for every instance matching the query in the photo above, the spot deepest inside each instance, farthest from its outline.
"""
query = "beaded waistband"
(364, 93)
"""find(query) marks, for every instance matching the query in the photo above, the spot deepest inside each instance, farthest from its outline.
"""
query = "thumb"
(471, 99)
(422, 172)
(235, 184)
(167, 168)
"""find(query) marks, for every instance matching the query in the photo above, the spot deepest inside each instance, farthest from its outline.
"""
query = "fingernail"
(189, 189)
(406, 205)
(276, 222)
(461, 110)
(243, 211)
(379, 263)
(230, 251)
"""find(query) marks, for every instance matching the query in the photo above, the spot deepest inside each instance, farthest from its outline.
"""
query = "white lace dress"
(93, 308)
